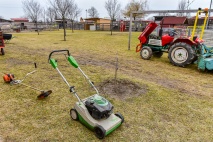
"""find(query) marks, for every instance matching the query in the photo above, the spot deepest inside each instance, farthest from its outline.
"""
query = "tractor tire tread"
(191, 54)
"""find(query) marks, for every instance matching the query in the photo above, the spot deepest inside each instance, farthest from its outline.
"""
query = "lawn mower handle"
(68, 53)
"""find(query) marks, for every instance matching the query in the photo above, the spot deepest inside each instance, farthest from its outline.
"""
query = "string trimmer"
(10, 78)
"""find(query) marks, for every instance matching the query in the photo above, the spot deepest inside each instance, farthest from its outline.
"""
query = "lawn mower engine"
(99, 107)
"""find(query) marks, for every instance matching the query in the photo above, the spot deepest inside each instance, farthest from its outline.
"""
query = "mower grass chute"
(95, 112)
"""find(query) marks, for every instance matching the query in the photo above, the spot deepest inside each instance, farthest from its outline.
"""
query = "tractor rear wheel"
(2, 51)
(146, 53)
(181, 54)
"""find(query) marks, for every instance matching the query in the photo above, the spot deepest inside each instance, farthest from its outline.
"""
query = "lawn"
(159, 101)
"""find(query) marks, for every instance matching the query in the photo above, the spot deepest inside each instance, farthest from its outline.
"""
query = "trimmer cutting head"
(44, 94)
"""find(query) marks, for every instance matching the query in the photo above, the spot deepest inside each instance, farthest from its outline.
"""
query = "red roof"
(20, 19)
(174, 21)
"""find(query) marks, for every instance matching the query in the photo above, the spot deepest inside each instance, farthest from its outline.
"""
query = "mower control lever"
(72, 88)
(68, 53)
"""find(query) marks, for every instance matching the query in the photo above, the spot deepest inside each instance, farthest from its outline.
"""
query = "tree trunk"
(64, 28)
(72, 26)
(37, 27)
(111, 27)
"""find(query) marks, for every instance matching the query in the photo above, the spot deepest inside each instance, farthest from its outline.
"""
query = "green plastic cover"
(100, 100)
(73, 61)
(53, 63)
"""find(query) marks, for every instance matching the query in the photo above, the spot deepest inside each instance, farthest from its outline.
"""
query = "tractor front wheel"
(181, 54)
(146, 53)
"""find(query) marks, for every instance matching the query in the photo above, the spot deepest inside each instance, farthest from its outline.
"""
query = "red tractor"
(181, 51)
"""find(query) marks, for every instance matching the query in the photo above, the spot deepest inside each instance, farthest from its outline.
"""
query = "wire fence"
(183, 31)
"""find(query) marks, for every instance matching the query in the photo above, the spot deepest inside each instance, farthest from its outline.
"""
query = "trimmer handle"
(68, 53)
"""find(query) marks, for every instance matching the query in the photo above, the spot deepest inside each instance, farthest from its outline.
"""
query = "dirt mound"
(122, 89)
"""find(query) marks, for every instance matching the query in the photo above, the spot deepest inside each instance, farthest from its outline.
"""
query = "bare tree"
(73, 12)
(93, 13)
(50, 14)
(135, 5)
(182, 5)
(44, 15)
(113, 8)
(61, 7)
(32, 10)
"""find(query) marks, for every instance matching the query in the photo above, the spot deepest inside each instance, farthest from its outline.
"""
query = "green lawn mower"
(95, 112)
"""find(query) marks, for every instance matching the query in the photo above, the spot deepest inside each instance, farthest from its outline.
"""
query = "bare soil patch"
(122, 89)
(175, 84)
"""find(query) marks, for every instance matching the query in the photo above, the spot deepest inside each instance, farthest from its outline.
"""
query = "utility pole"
(86, 13)
(207, 23)
(189, 3)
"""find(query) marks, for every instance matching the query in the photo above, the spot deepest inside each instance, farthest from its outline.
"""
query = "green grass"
(178, 105)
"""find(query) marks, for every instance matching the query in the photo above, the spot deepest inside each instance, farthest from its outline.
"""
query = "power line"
(10, 7)
(2, 6)
(189, 3)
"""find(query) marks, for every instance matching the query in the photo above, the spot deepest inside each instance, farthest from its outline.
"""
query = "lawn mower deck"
(102, 126)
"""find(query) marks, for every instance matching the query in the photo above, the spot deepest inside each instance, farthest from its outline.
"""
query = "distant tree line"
(69, 10)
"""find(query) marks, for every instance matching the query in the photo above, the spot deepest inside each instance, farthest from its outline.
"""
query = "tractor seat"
(194, 38)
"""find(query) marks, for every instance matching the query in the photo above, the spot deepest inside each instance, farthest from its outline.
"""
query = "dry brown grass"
(178, 104)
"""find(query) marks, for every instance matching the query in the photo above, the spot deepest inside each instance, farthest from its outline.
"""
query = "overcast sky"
(13, 8)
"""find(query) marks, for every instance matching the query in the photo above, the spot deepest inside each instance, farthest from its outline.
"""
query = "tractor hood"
(147, 31)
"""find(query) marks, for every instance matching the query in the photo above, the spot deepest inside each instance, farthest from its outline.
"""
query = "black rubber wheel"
(157, 54)
(2, 51)
(120, 116)
(181, 54)
(74, 114)
(100, 132)
(146, 53)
